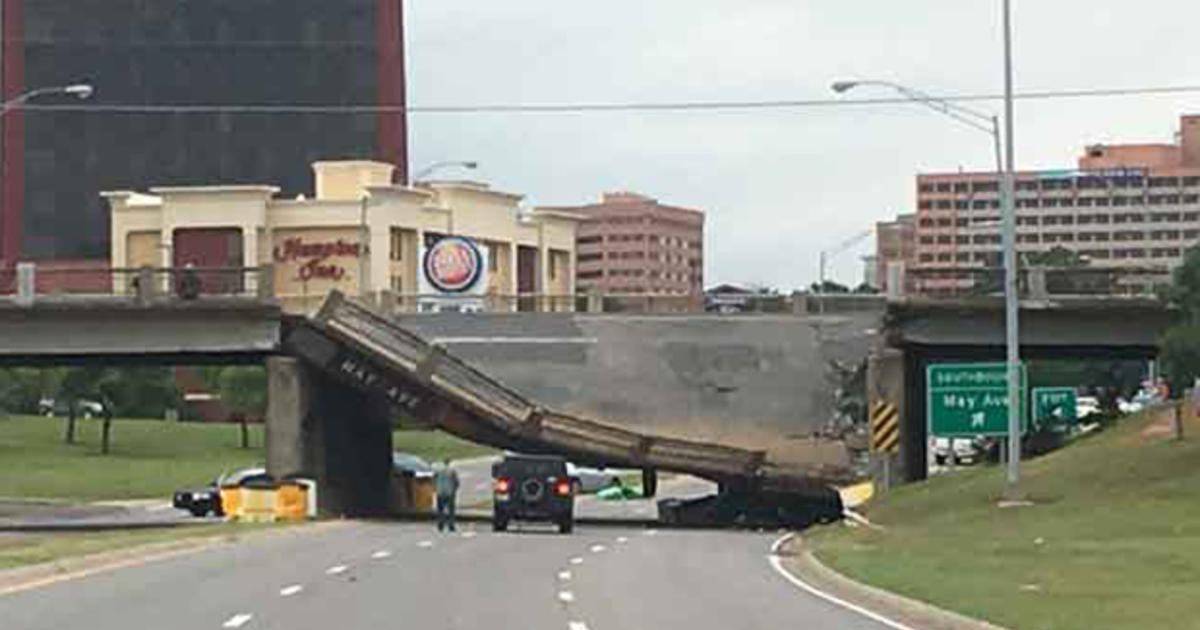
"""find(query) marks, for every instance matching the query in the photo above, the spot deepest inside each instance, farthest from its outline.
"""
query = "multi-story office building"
(630, 243)
(1132, 206)
(186, 92)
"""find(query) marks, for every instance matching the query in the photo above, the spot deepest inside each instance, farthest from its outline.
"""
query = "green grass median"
(1112, 540)
(149, 458)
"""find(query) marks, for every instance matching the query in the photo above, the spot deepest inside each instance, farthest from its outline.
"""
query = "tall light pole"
(1005, 171)
(1011, 307)
(436, 166)
(79, 90)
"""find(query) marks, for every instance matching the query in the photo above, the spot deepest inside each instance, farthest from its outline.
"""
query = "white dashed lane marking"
(566, 596)
(381, 554)
(468, 534)
(597, 548)
(576, 560)
(576, 625)
(650, 532)
(334, 570)
(288, 591)
(622, 540)
(564, 575)
(237, 621)
(425, 544)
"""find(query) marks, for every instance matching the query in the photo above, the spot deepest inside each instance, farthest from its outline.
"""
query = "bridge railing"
(26, 282)
(1037, 282)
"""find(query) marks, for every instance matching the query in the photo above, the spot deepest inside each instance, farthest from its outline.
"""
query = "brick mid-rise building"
(630, 243)
(1125, 205)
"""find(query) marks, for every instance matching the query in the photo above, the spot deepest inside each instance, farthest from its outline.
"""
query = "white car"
(590, 479)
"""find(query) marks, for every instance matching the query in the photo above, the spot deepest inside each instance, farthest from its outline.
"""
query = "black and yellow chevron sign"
(885, 427)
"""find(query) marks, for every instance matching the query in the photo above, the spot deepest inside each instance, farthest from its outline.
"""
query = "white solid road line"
(334, 570)
(566, 596)
(576, 560)
(425, 544)
(381, 554)
(564, 575)
(597, 548)
(576, 625)
(237, 621)
(288, 591)
(777, 564)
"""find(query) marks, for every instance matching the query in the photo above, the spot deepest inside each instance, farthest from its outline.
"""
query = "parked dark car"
(207, 500)
(532, 488)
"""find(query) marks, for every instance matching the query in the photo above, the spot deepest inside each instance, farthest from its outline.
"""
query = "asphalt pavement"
(406, 575)
(475, 494)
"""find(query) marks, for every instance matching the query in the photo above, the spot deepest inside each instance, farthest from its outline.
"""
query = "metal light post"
(429, 170)
(1011, 306)
(80, 90)
(1005, 172)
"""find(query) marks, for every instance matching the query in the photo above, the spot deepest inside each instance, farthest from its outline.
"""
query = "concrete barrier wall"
(758, 382)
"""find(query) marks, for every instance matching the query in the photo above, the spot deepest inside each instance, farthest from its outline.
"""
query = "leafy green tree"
(78, 383)
(1180, 346)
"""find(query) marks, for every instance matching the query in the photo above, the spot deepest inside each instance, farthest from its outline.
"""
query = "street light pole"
(1005, 170)
(80, 90)
(1011, 307)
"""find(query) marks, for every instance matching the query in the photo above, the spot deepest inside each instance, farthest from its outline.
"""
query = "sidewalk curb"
(799, 561)
(47, 573)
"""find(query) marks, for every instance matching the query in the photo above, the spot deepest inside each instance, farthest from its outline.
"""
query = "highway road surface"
(371, 576)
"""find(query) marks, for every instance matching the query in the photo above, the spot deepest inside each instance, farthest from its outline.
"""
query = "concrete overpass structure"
(917, 333)
(744, 400)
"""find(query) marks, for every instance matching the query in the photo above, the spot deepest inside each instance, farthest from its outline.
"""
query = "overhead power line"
(581, 108)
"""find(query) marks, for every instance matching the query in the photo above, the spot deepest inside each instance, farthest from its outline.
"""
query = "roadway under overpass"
(918, 333)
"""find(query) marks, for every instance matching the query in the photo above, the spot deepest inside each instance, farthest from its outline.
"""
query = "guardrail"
(1036, 282)
(28, 282)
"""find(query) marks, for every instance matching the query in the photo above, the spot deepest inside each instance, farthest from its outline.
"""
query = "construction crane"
(833, 251)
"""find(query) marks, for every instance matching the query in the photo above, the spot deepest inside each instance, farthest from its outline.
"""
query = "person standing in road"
(445, 484)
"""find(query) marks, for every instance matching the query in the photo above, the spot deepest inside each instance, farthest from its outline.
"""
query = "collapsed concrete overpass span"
(365, 351)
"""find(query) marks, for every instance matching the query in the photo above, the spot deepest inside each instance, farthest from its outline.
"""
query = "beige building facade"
(360, 235)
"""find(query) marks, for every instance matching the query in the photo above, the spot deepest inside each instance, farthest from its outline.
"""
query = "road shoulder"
(797, 559)
(74, 567)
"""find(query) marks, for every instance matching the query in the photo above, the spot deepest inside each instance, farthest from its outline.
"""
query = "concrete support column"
(289, 398)
(26, 283)
(250, 258)
(886, 384)
(324, 430)
(512, 276)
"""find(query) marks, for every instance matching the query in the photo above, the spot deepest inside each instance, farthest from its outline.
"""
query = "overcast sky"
(778, 186)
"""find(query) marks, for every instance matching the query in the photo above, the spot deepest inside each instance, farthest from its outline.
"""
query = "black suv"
(532, 488)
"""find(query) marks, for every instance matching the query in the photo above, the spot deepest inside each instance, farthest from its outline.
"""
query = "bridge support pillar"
(322, 429)
(887, 380)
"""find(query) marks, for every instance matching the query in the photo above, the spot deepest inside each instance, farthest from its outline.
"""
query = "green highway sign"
(1053, 406)
(967, 399)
